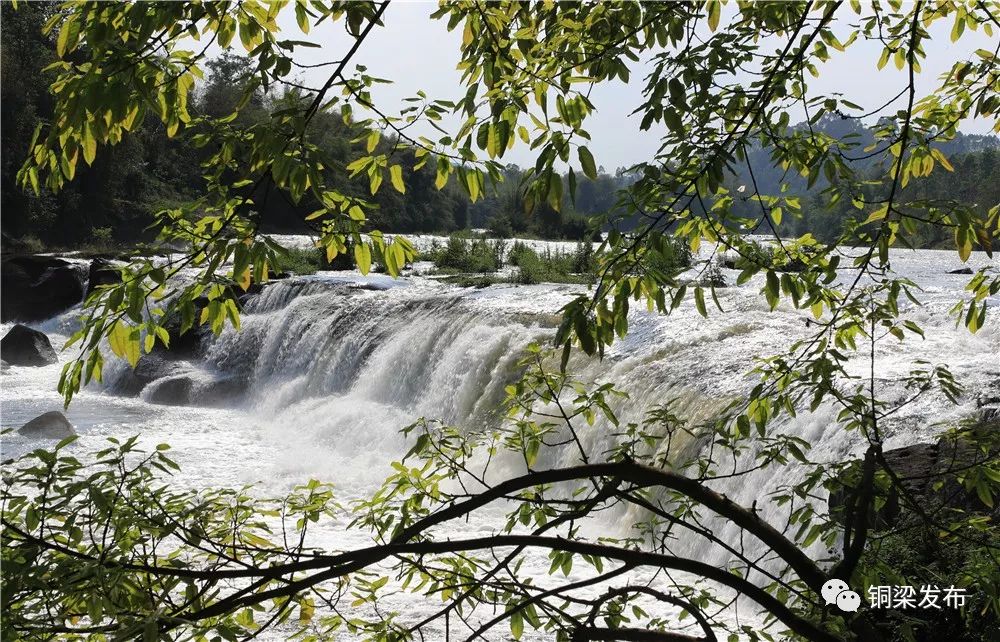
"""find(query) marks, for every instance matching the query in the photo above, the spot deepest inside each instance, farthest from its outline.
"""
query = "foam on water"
(336, 364)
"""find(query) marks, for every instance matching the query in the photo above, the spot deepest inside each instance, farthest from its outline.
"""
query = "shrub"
(713, 276)
(430, 254)
(551, 267)
(584, 258)
(477, 255)
(529, 268)
(755, 253)
(32, 244)
(299, 261)
(452, 255)
(102, 239)
(669, 256)
(501, 227)
(518, 252)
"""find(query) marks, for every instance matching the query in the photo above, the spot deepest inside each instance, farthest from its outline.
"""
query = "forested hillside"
(114, 199)
(974, 181)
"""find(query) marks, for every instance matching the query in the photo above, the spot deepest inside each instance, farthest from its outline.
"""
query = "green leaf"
(301, 16)
(517, 625)
(699, 302)
(587, 162)
(124, 342)
(89, 144)
(443, 169)
(396, 176)
(356, 213)
(714, 13)
(67, 36)
(771, 289)
(363, 257)
(877, 215)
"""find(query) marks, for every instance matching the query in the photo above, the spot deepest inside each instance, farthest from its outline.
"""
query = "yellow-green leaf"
(89, 144)
(396, 175)
(714, 13)
(363, 257)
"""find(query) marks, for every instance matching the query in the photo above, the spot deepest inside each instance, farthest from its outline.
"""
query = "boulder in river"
(50, 425)
(929, 473)
(220, 392)
(965, 270)
(151, 367)
(196, 390)
(102, 272)
(23, 346)
(38, 287)
(175, 391)
(189, 344)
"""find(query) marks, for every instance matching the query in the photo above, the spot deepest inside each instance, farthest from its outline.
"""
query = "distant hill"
(853, 132)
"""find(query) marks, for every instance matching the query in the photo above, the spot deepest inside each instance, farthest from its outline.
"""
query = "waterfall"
(331, 368)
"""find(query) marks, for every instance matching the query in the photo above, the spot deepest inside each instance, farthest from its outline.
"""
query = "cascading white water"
(329, 366)
(328, 369)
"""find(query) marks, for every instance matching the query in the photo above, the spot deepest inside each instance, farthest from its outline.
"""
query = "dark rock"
(221, 392)
(151, 367)
(381, 287)
(171, 392)
(51, 425)
(965, 270)
(38, 287)
(191, 343)
(737, 262)
(927, 473)
(23, 346)
(102, 272)
(186, 390)
(796, 265)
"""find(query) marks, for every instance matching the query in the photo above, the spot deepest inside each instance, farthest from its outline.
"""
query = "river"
(329, 367)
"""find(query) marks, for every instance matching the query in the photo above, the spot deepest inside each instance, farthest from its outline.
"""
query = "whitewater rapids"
(332, 366)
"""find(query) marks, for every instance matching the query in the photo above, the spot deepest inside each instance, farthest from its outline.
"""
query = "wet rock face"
(221, 392)
(190, 344)
(51, 425)
(38, 287)
(23, 346)
(171, 392)
(102, 272)
(151, 367)
(928, 473)
(191, 390)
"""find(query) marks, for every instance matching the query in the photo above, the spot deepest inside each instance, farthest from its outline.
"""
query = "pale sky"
(417, 52)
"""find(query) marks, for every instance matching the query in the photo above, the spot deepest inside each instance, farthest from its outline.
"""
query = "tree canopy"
(110, 550)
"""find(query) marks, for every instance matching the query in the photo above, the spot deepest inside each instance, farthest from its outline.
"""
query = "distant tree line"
(975, 180)
(114, 199)
(152, 171)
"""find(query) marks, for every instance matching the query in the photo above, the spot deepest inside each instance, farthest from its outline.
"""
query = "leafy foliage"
(713, 94)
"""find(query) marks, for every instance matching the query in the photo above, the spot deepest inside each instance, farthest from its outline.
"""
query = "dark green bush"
(301, 261)
(713, 276)
(476, 255)
(669, 256)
